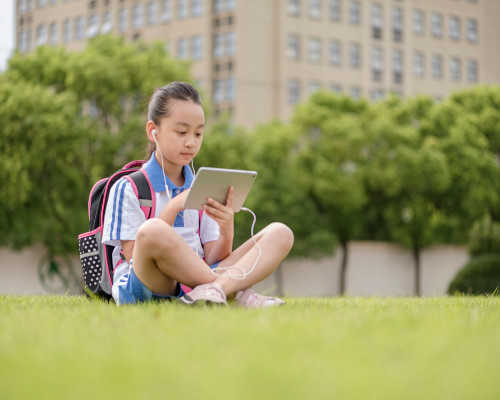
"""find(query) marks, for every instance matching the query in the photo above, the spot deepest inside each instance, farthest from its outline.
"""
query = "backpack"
(95, 257)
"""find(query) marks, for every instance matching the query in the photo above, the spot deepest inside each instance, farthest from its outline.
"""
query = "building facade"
(259, 58)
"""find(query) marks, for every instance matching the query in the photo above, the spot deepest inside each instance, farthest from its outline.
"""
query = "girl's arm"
(224, 216)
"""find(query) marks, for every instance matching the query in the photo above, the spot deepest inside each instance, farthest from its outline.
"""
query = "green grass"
(340, 348)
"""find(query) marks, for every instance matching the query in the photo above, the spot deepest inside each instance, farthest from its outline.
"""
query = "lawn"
(324, 348)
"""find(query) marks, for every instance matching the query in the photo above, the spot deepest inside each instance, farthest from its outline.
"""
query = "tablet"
(215, 182)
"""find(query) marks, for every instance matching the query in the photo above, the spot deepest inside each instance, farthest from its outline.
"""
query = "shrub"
(479, 276)
(485, 237)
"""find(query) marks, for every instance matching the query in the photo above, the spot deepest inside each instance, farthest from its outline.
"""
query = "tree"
(331, 164)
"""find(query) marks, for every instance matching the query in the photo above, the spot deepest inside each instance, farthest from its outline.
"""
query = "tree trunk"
(416, 258)
(343, 267)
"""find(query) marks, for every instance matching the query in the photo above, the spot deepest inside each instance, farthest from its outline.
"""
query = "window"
(66, 30)
(419, 64)
(315, 9)
(293, 87)
(336, 87)
(151, 13)
(437, 66)
(182, 10)
(377, 64)
(28, 37)
(53, 33)
(166, 13)
(455, 69)
(377, 94)
(79, 26)
(334, 52)
(224, 44)
(221, 6)
(335, 10)
(437, 25)
(196, 47)
(218, 91)
(293, 48)
(454, 27)
(314, 50)
(230, 91)
(314, 86)
(293, 8)
(182, 48)
(377, 21)
(230, 43)
(472, 30)
(21, 4)
(93, 25)
(122, 20)
(397, 24)
(41, 34)
(354, 12)
(397, 66)
(21, 41)
(418, 22)
(355, 92)
(355, 55)
(219, 45)
(472, 71)
(137, 16)
(196, 8)
(41, 3)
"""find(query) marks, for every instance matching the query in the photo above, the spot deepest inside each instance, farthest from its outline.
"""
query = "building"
(259, 58)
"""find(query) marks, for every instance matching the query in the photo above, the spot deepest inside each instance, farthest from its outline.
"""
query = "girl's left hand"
(222, 214)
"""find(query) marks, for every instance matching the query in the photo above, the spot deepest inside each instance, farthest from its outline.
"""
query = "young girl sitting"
(153, 257)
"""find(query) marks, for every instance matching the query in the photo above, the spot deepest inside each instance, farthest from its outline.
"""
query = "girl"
(177, 247)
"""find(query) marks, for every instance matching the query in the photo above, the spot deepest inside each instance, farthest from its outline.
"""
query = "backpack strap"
(144, 192)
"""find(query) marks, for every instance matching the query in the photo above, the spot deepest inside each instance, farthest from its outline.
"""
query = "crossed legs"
(162, 258)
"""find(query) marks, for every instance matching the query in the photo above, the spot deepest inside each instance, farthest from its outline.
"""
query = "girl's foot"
(251, 299)
(209, 293)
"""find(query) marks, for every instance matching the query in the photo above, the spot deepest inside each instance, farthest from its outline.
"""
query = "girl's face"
(180, 135)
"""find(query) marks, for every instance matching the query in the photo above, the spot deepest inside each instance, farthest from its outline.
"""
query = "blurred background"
(374, 126)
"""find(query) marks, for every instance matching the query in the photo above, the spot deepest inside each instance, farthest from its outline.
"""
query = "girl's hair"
(159, 104)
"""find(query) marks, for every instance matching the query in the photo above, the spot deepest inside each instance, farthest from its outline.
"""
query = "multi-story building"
(259, 58)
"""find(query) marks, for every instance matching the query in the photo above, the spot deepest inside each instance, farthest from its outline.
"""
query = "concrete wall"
(374, 269)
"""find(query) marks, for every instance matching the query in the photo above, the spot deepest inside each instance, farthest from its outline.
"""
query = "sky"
(6, 31)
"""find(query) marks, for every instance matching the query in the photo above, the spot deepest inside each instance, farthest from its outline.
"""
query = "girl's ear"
(150, 128)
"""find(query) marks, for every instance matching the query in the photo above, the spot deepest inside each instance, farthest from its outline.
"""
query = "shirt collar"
(155, 174)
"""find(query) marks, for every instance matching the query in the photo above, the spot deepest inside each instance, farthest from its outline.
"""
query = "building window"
(224, 44)
(166, 12)
(93, 25)
(437, 66)
(66, 30)
(53, 33)
(419, 64)
(335, 10)
(472, 30)
(293, 87)
(454, 28)
(41, 34)
(397, 66)
(21, 4)
(315, 9)
(221, 6)
(355, 92)
(122, 20)
(293, 48)
(196, 8)
(196, 47)
(41, 3)
(107, 24)
(397, 24)
(21, 41)
(230, 43)
(334, 52)
(218, 91)
(355, 55)
(472, 71)
(336, 88)
(377, 21)
(314, 50)
(377, 94)
(437, 25)
(151, 13)
(79, 28)
(455, 69)
(377, 64)
(230, 89)
(137, 16)
(293, 8)
(354, 12)
(418, 22)
(219, 45)
(182, 48)
(314, 86)
(182, 10)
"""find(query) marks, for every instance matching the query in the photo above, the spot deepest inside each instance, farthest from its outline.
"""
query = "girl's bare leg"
(161, 258)
(275, 240)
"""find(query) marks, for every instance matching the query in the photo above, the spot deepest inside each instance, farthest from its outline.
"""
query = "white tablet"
(215, 182)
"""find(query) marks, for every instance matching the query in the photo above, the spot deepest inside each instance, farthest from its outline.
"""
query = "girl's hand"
(222, 214)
